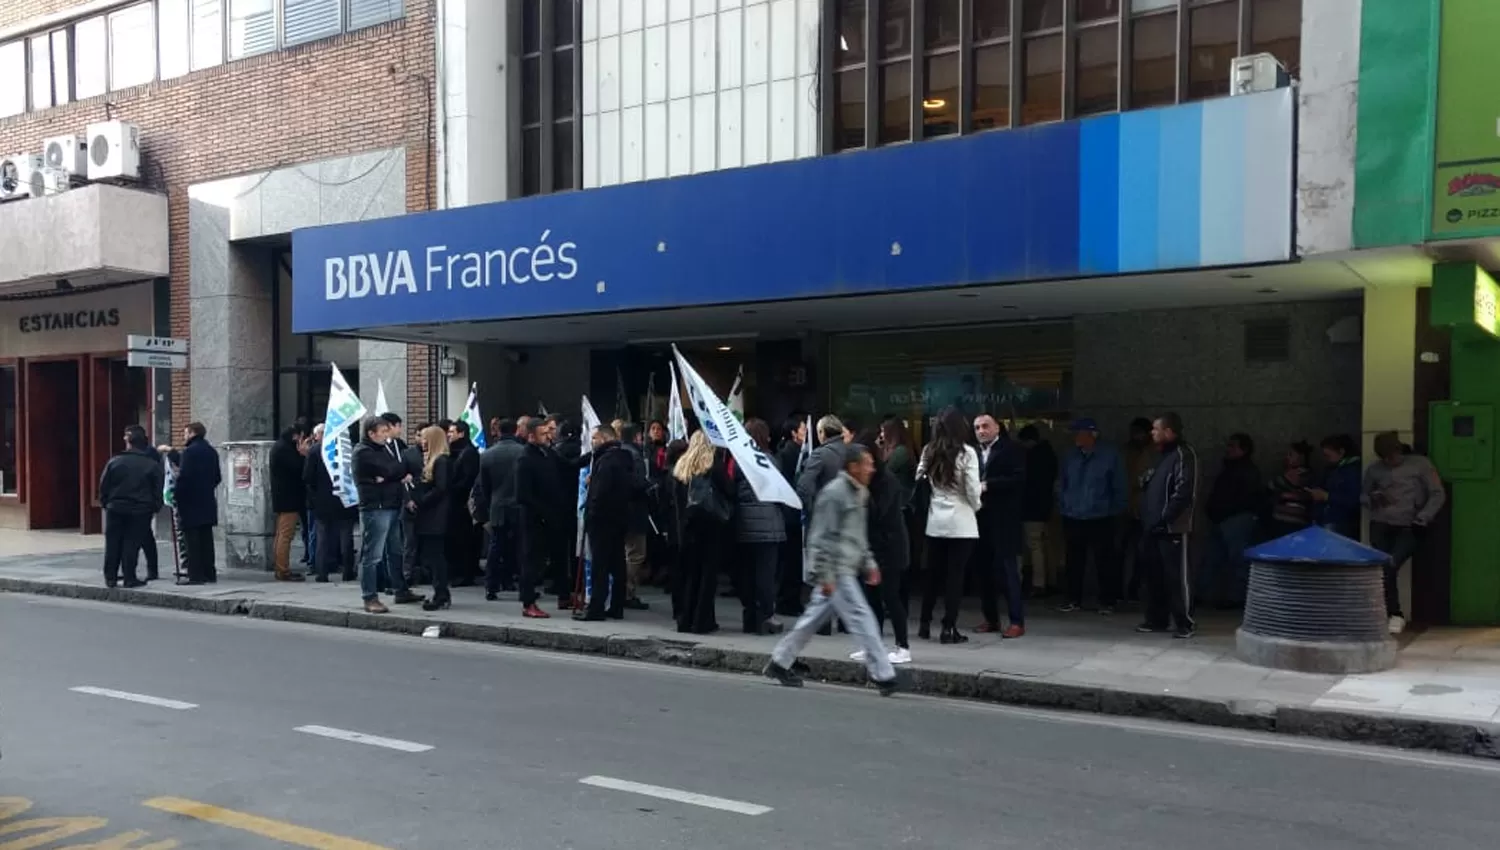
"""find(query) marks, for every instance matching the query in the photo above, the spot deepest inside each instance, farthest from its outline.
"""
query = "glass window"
(562, 156)
(1138, 7)
(531, 26)
(172, 37)
(895, 102)
(562, 84)
(895, 28)
(9, 421)
(941, 24)
(1276, 28)
(1097, 10)
(991, 20)
(562, 22)
(132, 47)
(62, 73)
(849, 120)
(940, 101)
(531, 161)
(1213, 39)
(309, 20)
(41, 72)
(1153, 61)
(851, 48)
(91, 57)
(1096, 82)
(252, 27)
(531, 90)
(1041, 14)
(991, 87)
(1041, 89)
(368, 13)
(208, 34)
(12, 78)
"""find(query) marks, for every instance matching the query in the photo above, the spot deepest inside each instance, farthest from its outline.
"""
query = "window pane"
(531, 26)
(851, 49)
(1041, 90)
(172, 37)
(1041, 14)
(562, 84)
(9, 424)
(132, 47)
(368, 13)
(849, 121)
(12, 78)
(531, 161)
(895, 28)
(1096, 83)
(309, 20)
(41, 72)
(208, 34)
(1153, 61)
(91, 55)
(562, 157)
(895, 102)
(940, 101)
(1213, 38)
(62, 74)
(252, 27)
(562, 22)
(991, 20)
(1097, 10)
(992, 87)
(531, 90)
(1138, 7)
(940, 27)
(1276, 28)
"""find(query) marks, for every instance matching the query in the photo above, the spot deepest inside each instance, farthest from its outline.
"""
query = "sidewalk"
(1444, 696)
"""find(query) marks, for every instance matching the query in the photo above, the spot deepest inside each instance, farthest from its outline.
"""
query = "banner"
(344, 411)
(722, 429)
(581, 547)
(736, 400)
(676, 419)
(382, 406)
(475, 422)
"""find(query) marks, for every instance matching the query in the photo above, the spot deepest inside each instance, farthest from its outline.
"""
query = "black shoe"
(491, 597)
(437, 604)
(888, 687)
(464, 582)
(801, 668)
(111, 584)
(772, 627)
(153, 577)
(615, 614)
(952, 635)
(783, 676)
(1149, 629)
(320, 579)
(408, 598)
(594, 617)
(634, 603)
(924, 631)
(1184, 633)
(826, 631)
(133, 582)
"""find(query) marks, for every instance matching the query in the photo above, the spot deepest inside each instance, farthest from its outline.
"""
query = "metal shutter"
(309, 20)
(252, 30)
(367, 13)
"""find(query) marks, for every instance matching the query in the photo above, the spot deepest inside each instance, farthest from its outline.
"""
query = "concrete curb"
(1477, 740)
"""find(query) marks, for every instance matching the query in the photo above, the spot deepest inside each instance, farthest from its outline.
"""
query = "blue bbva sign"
(1199, 185)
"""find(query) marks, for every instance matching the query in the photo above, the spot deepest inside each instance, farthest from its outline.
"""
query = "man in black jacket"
(382, 480)
(411, 458)
(495, 505)
(537, 501)
(334, 521)
(1236, 500)
(1167, 517)
(130, 490)
(1002, 479)
(616, 488)
(565, 447)
(463, 534)
(197, 501)
(288, 498)
(638, 534)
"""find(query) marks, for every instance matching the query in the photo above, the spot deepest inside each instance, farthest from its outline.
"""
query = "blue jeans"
(309, 538)
(1225, 572)
(380, 548)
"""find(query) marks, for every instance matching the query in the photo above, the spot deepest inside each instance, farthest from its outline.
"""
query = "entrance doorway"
(54, 444)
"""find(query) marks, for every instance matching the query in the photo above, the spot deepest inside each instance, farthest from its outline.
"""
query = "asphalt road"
(487, 747)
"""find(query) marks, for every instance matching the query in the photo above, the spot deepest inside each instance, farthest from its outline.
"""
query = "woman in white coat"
(950, 464)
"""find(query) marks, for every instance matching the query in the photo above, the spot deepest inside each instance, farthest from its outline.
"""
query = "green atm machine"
(1461, 437)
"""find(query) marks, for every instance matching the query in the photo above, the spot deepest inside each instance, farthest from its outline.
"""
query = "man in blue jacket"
(197, 500)
(1091, 497)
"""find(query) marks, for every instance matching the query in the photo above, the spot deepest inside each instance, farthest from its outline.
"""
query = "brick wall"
(362, 91)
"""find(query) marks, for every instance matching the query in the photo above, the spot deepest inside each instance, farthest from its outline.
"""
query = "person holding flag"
(473, 421)
(736, 399)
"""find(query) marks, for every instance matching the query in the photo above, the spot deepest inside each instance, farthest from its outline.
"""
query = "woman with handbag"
(707, 518)
(431, 496)
(949, 472)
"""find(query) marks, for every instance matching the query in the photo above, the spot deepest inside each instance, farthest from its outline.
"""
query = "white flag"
(807, 446)
(344, 410)
(590, 424)
(737, 395)
(473, 420)
(676, 420)
(542, 407)
(722, 429)
(382, 407)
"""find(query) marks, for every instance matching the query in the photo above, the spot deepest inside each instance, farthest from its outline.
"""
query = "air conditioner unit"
(67, 153)
(15, 175)
(50, 181)
(114, 151)
(1256, 73)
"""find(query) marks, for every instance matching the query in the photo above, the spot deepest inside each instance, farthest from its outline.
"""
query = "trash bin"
(1316, 604)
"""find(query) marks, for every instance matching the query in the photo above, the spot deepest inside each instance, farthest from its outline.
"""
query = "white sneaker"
(1396, 625)
(900, 655)
(858, 655)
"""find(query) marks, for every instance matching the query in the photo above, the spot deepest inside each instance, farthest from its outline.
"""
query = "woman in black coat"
(706, 537)
(431, 496)
(760, 531)
(891, 546)
(334, 522)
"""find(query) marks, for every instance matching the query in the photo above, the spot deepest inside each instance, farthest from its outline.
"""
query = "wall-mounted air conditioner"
(15, 175)
(114, 150)
(67, 153)
(1256, 73)
(50, 181)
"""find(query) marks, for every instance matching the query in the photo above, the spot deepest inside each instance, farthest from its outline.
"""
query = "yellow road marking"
(265, 827)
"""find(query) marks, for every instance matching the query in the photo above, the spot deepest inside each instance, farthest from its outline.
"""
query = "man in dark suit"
(130, 490)
(196, 496)
(1002, 480)
(538, 500)
(411, 458)
(616, 487)
(495, 504)
(463, 533)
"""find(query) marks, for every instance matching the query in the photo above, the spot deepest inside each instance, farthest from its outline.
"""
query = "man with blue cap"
(1091, 496)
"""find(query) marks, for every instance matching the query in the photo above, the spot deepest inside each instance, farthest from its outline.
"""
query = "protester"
(709, 500)
(540, 506)
(950, 468)
(887, 534)
(823, 465)
(463, 534)
(381, 476)
(789, 555)
(616, 491)
(334, 521)
(196, 497)
(639, 532)
(1167, 514)
(760, 531)
(130, 491)
(564, 445)
(495, 505)
(433, 518)
(838, 552)
(288, 498)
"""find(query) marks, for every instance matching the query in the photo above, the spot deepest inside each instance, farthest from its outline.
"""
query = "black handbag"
(920, 501)
(704, 501)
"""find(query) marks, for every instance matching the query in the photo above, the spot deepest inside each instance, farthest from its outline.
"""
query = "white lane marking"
(673, 794)
(143, 699)
(362, 738)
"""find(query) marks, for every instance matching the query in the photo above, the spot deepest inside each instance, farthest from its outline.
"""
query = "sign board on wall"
(1466, 178)
(84, 323)
(242, 478)
(156, 352)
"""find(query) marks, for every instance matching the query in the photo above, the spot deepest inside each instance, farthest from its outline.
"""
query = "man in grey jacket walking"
(1404, 494)
(838, 551)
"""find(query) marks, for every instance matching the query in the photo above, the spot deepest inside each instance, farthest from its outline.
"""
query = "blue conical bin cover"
(1315, 545)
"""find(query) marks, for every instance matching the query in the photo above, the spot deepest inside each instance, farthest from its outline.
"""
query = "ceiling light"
(934, 103)
(726, 348)
(1240, 275)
